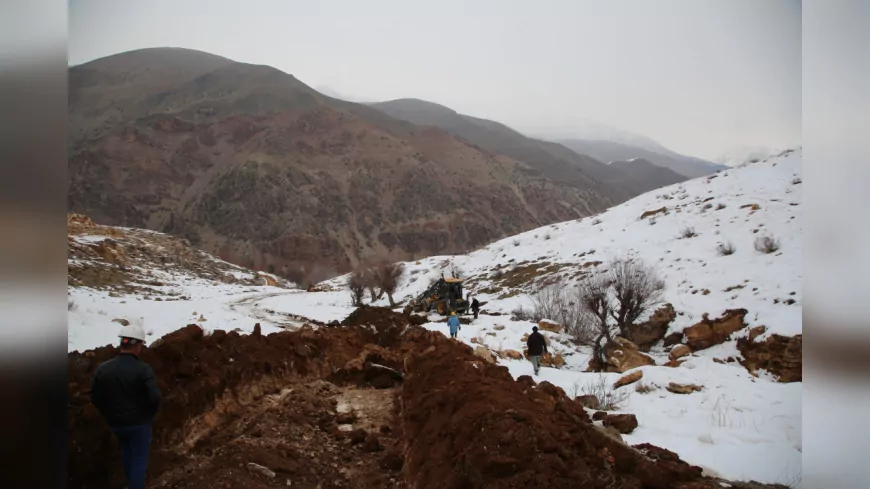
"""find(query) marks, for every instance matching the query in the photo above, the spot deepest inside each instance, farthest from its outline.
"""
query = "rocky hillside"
(118, 275)
(252, 165)
(554, 160)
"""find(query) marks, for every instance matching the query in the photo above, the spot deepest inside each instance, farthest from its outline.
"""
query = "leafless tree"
(636, 289)
(357, 287)
(611, 302)
(369, 278)
(387, 277)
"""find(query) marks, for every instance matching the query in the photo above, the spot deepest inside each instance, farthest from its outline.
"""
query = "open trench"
(376, 402)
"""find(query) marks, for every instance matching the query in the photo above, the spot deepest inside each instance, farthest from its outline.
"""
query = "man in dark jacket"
(537, 346)
(125, 392)
(475, 307)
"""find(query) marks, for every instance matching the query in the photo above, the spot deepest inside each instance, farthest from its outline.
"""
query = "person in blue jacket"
(453, 322)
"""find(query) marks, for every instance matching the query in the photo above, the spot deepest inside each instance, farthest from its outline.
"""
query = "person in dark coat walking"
(126, 394)
(475, 307)
(537, 346)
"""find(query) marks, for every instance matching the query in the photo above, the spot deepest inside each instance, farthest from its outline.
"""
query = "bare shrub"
(720, 206)
(596, 222)
(767, 244)
(71, 305)
(726, 248)
(556, 303)
(520, 313)
(602, 305)
(797, 181)
(515, 242)
(547, 237)
(609, 399)
(688, 232)
(387, 277)
(643, 388)
(357, 287)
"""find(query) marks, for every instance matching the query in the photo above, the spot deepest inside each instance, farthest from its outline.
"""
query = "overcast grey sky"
(699, 76)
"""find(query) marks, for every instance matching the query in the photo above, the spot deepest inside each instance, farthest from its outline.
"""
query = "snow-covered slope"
(743, 155)
(736, 206)
(740, 426)
(160, 281)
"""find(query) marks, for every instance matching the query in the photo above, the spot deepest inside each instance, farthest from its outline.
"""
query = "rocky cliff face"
(252, 165)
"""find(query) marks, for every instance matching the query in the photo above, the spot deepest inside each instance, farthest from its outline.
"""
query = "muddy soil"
(372, 403)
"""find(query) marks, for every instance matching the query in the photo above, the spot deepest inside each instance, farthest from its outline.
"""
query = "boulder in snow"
(484, 353)
(679, 351)
(683, 388)
(624, 423)
(650, 332)
(550, 326)
(628, 379)
(621, 355)
(713, 332)
(780, 355)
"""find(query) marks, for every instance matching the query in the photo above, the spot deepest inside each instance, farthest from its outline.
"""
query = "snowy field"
(738, 427)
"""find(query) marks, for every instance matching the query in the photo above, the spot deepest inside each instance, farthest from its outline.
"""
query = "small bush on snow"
(767, 244)
(688, 232)
(520, 313)
(515, 242)
(609, 399)
(644, 388)
(71, 305)
(726, 248)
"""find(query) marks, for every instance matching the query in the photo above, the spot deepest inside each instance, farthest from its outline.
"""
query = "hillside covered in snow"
(701, 238)
(728, 248)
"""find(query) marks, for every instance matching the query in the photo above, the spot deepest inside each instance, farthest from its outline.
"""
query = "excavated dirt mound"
(307, 409)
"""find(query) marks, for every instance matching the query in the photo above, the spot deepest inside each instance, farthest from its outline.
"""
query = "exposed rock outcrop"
(779, 355)
(628, 379)
(710, 332)
(650, 332)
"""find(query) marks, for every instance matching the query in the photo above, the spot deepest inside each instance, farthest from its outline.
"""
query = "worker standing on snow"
(126, 394)
(475, 307)
(537, 347)
(453, 322)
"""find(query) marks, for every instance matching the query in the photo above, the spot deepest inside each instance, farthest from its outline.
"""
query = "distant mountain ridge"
(553, 160)
(607, 151)
(254, 166)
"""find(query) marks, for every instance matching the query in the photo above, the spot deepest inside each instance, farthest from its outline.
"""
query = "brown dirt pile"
(299, 409)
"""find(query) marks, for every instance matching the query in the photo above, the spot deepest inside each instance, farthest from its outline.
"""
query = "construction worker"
(537, 346)
(475, 307)
(126, 394)
(453, 322)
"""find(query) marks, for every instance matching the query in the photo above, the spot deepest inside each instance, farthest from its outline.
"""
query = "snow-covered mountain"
(746, 154)
(740, 425)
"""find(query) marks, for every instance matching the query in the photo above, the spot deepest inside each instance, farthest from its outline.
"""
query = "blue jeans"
(135, 443)
(536, 362)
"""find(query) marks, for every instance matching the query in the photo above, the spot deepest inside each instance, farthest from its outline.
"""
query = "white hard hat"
(133, 331)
